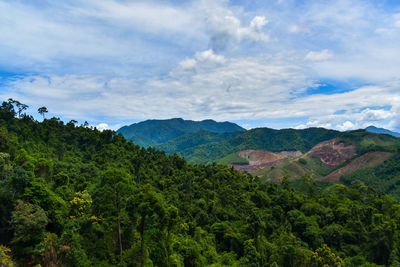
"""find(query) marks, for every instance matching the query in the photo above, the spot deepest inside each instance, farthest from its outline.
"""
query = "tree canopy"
(75, 196)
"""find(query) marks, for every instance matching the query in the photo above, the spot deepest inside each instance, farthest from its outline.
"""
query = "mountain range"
(326, 155)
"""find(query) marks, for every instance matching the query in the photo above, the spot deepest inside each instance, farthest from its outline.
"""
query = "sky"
(269, 63)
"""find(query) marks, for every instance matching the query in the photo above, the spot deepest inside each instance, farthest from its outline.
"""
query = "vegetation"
(233, 159)
(188, 141)
(260, 139)
(153, 132)
(294, 169)
(385, 178)
(74, 196)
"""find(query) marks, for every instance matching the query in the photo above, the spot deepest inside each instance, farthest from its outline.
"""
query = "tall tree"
(42, 111)
(110, 198)
(29, 222)
(146, 205)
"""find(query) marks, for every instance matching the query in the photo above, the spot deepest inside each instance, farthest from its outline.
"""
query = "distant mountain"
(374, 129)
(153, 132)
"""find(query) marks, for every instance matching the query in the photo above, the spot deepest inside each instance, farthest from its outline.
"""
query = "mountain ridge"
(152, 132)
(378, 130)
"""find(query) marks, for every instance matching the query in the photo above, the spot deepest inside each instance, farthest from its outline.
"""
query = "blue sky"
(276, 63)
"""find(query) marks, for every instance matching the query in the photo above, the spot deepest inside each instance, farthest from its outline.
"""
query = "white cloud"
(346, 126)
(258, 22)
(225, 29)
(238, 88)
(319, 55)
(210, 56)
(205, 58)
(371, 115)
(102, 126)
(314, 123)
(188, 63)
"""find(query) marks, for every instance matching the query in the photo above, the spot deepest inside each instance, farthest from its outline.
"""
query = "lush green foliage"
(74, 196)
(385, 178)
(233, 158)
(186, 142)
(259, 138)
(153, 132)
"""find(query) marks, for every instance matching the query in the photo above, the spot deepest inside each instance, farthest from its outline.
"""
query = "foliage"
(74, 196)
(261, 139)
(384, 178)
(153, 132)
(233, 159)
(5, 257)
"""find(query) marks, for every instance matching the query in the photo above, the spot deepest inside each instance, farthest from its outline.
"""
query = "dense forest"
(74, 196)
(155, 132)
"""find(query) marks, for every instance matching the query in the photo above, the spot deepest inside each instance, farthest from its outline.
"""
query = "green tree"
(29, 222)
(147, 207)
(324, 256)
(42, 111)
(53, 252)
(110, 196)
(5, 257)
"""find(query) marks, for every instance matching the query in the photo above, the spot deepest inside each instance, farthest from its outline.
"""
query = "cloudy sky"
(275, 63)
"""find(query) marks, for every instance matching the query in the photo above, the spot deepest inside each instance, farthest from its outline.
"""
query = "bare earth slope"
(332, 153)
(259, 159)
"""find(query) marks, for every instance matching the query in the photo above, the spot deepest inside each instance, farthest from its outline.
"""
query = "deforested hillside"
(257, 139)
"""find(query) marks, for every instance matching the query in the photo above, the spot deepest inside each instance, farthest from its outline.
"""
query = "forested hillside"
(153, 132)
(74, 196)
(259, 138)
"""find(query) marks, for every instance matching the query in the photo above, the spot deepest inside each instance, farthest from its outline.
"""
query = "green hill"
(153, 132)
(259, 138)
(366, 165)
(191, 140)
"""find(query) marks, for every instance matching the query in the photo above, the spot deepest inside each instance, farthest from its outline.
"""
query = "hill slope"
(257, 139)
(153, 132)
(357, 155)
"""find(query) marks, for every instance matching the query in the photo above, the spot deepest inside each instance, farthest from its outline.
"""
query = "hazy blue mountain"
(153, 132)
(374, 129)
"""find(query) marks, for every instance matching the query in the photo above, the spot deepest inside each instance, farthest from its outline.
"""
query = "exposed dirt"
(332, 153)
(259, 159)
(367, 160)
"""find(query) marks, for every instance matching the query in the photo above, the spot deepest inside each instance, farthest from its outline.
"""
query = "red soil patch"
(332, 153)
(259, 159)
